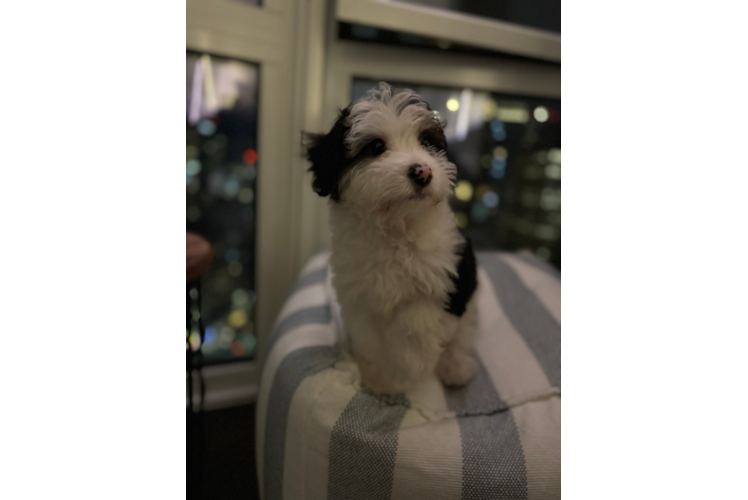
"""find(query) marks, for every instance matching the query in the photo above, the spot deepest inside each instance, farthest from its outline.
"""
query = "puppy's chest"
(391, 275)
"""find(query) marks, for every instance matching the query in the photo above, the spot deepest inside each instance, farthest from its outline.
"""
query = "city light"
(246, 195)
(211, 335)
(231, 188)
(513, 115)
(464, 191)
(193, 167)
(541, 114)
(498, 168)
(553, 171)
(192, 151)
(206, 127)
(500, 153)
(239, 297)
(238, 348)
(237, 319)
(453, 104)
(249, 156)
(195, 341)
(554, 155)
(498, 132)
(490, 199)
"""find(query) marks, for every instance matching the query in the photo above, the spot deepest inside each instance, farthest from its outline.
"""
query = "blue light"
(498, 132)
(498, 168)
(193, 167)
(232, 255)
(211, 335)
(189, 179)
(490, 199)
(231, 188)
(206, 127)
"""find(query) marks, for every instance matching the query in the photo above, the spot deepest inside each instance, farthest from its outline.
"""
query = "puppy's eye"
(377, 147)
(426, 142)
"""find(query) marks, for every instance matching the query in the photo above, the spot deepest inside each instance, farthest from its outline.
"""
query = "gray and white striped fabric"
(320, 437)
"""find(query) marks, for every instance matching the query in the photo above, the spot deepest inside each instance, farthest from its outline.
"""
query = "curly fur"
(403, 272)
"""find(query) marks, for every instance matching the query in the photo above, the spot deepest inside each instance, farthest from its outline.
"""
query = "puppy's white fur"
(394, 250)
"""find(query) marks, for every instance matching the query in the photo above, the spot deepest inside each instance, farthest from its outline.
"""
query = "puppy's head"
(386, 149)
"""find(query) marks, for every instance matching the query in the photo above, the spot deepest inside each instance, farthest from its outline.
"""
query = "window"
(222, 168)
(507, 149)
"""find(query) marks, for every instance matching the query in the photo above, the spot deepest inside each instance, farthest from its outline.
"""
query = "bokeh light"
(500, 153)
(237, 318)
(206, 127)
(498, 132)
(541, 114)
(498, 168)
(193, 167)
(246, 195)
(489, 110)
(195, 340)
(554, 155)
(464, 191)
(513, 114)
(490, 199)
(211, 335)
(238, 348)
(250, 156)
(453, 104)
(239, 297)
(553, 171)
(231, 188)
(192, 151)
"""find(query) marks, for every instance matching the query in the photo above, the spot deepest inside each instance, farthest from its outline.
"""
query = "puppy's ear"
(328, 156)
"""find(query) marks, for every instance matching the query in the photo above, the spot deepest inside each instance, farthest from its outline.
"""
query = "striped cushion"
(320, 437)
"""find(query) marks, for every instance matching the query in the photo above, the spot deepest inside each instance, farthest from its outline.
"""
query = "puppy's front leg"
(456, 364)
(396, 353)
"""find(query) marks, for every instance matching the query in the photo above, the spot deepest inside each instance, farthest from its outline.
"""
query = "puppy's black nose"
(420, 175)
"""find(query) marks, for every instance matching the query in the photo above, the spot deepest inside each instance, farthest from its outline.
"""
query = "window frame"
(453, 26)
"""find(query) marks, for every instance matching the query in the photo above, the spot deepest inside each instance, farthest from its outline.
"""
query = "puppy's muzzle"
(420, 175)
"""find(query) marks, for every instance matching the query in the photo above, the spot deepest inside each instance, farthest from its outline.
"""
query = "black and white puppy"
(403, 273)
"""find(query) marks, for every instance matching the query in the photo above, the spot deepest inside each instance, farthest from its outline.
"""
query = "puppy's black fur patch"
(329, 158)
(465, 282)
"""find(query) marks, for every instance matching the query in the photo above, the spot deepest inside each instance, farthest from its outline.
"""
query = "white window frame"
(453, 26)
(286, 39)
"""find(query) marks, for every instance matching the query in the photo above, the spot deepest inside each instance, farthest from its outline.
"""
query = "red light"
(216, 120)
(555, 116)
(237, 348)
(250, 156)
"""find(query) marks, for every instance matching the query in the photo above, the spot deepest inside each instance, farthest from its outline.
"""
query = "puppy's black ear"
(328, 156)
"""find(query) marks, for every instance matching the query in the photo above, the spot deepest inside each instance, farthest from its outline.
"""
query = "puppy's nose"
(420, 174)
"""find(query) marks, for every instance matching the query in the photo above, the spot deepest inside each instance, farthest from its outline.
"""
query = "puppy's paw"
(456, 368)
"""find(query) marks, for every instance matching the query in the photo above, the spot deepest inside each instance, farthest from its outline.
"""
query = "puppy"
(403, 272)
